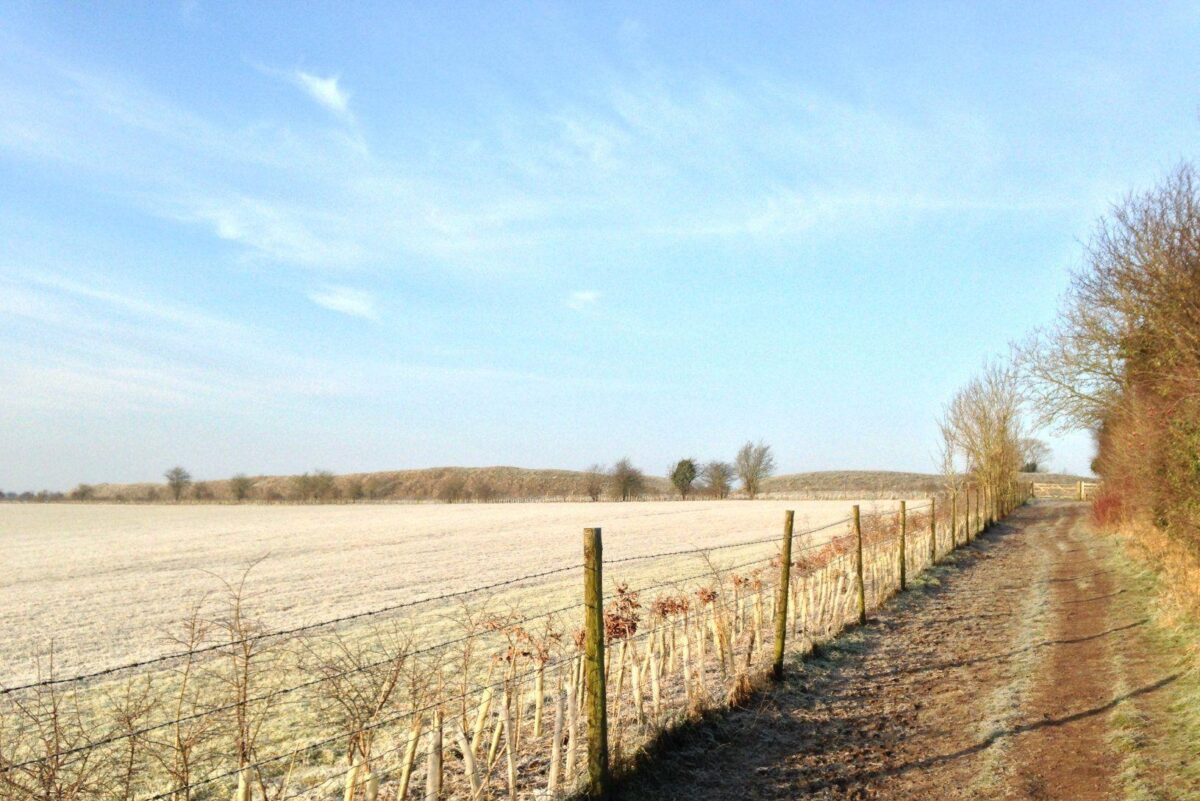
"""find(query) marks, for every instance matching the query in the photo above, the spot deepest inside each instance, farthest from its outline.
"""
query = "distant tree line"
(752, 465)
(622, 481)
(28, 496)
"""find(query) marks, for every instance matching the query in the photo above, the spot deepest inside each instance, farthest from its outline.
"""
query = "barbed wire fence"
(519, 703)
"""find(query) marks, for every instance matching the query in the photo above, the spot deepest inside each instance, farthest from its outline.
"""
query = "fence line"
(1079, 491)
(548, 724)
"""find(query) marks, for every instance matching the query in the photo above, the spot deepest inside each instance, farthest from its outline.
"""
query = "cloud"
(272, 230)
(642, 158)
(582, 299)
(323, 90)
(345, 300)
(177, 316)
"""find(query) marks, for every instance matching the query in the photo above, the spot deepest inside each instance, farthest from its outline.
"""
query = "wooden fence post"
(858, 569)
(933, 531)
(1081, 490)
(785, 585)
(597, 700)
(903, 549)
(967, 514)
(954, 520)
(978, 512)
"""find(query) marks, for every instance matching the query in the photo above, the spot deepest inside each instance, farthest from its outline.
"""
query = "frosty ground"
(105, 583)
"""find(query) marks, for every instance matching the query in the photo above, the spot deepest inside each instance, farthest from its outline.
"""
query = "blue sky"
(269, 237)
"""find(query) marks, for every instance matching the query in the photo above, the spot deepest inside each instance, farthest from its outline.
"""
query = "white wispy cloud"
(345, 300)
(583, 299)
(325, 91)
(644, 158)
(273, 230)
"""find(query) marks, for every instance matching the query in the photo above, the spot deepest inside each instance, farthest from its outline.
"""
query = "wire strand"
(283, 632)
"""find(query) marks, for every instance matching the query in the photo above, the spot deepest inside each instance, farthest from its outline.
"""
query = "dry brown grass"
(1177, 565)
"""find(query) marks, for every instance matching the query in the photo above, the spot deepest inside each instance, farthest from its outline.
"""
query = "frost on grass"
(106, 582)
(1004, 707)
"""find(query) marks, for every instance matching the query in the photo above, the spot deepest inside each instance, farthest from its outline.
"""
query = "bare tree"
(240, 487)
(83, 492)
(683, 476)
(1132, 314)
(1035, 455)
(626, 481)
(374, 487)
(178, 480)
(1123, 359)
(718, 478)
(754, 464)
(320, 485)
(355, 490)
(452, 489)
(324, 486)
(982, 424)
(953, 479)
(302, 487)
(481, 489)
(593, 481)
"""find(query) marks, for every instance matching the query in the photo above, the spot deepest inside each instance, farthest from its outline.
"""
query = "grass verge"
(1157, 737)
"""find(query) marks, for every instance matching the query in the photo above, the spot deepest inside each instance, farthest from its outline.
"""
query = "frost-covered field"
(106, 582)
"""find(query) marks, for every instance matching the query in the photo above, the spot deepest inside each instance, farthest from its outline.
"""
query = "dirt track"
(998, 679)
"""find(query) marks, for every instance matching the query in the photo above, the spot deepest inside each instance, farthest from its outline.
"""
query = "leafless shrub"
(593, 482)
(38, 727)
(375, 487)
(129, 707)
(361, 680)
(625, 482)
(246, 673)
(480, 489)
(353, 489)
(179, 748)
(718, 479)
(240, 486)
(452, 489)
(83, 492)
(320, 485)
